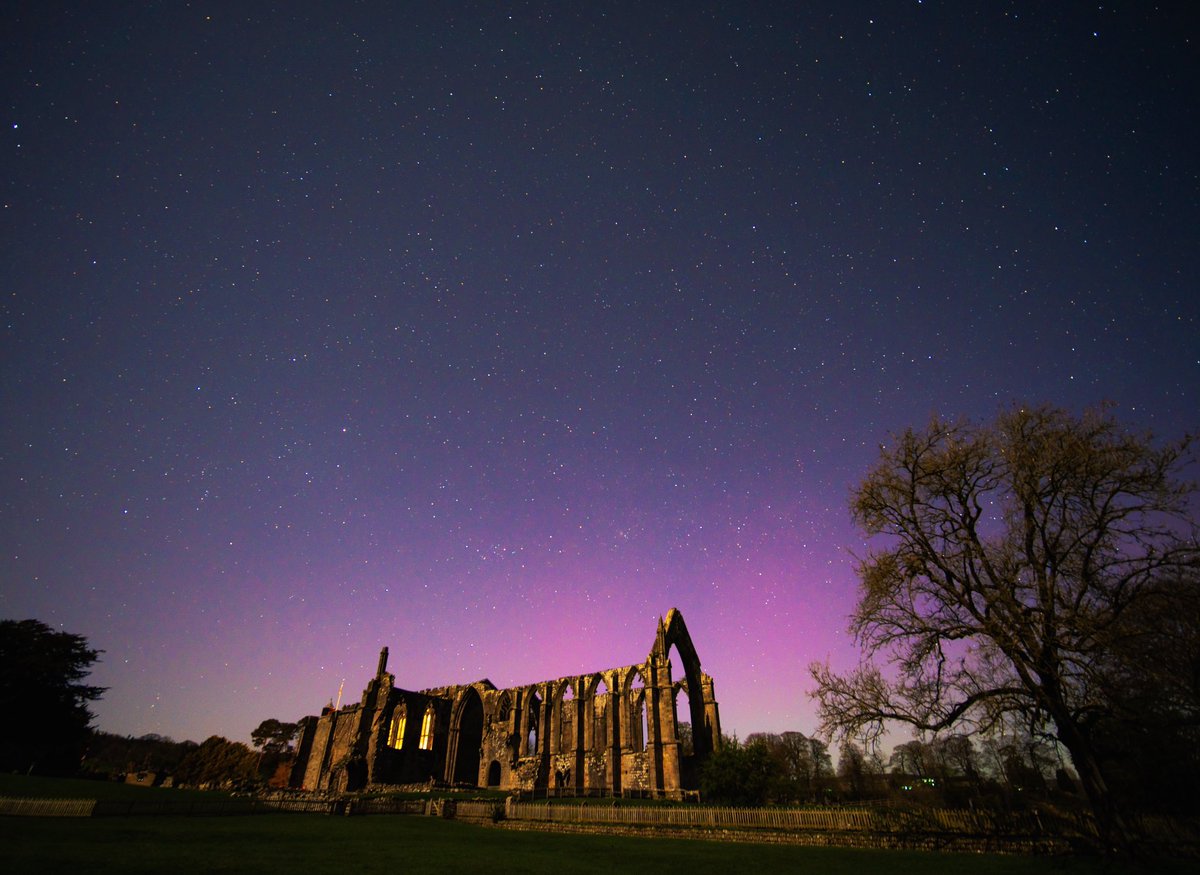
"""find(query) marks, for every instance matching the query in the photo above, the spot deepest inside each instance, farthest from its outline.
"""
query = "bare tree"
(914, 759)
(859, 771)
(802, 765)
(956, 757)
(1011, 555)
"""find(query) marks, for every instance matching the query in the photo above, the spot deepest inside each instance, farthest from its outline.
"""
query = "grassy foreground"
(299, 843)
(290, 843)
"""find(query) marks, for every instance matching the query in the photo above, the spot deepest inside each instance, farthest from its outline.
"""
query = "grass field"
(289, 843)
(298, 843)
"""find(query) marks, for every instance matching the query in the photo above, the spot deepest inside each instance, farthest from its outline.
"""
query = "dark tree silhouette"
(274, 736)
(738, 774)
(219, 762)
(45, 707)
(1013, 558)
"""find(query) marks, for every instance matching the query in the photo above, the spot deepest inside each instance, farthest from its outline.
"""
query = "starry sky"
(489, 332)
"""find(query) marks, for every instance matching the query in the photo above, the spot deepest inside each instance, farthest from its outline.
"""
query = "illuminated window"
(427, 730)
(396, 731)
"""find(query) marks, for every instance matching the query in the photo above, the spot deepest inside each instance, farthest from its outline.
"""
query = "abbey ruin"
(611, 732)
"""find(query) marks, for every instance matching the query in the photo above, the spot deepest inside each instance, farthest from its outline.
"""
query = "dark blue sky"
(490, 332)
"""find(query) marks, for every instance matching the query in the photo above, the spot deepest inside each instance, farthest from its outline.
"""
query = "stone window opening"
(600, 714)
(396, 730)
(427, 730)
(567, 739)
(532, 727)
(639, 723)
(532, 739)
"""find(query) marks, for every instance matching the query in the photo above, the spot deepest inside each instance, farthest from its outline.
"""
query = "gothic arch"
(428, 727)
(397, 726)
(503, 713)
(636, 703)
(531, 730)
(565, 722)
(673, 633)
(466, 739)
(597, 735)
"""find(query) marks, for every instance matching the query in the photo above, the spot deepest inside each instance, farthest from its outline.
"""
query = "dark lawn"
(289, 843)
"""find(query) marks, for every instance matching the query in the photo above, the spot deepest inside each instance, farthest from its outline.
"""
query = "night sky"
(490, 332)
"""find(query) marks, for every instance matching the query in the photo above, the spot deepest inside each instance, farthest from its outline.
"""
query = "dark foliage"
(218, 762)
(1149, 741)
(42, 700)
(274, 736)
(860, 773)
(110, 755)
(738, 774)
(803, 770)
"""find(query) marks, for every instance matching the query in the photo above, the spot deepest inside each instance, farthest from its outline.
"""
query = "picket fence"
(881, 820)
(47, 807)
(157, 807)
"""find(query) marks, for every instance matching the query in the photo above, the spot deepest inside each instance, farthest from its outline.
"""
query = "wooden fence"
(161, 807)
(877, 820)
(480, 809)
(47, 807)
(388, 805)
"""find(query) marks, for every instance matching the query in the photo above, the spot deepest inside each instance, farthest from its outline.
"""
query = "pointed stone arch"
(636, 697)
(428, 727)
(466, 739)
(673, 633)
(566, 728)
(397, 726)
(531, 721)
(603, 695)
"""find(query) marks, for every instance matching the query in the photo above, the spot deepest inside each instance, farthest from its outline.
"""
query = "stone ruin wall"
(614, 731)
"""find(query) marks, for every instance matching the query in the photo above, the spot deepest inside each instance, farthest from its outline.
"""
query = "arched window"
(639, 729)
(396, 730)
(427, 730)
(683, 720)
(682, 703)
(533, 736)
(600, 715)
(567, 732)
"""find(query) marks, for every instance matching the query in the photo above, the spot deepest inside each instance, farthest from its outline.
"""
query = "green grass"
(298, 843)
(295, 843)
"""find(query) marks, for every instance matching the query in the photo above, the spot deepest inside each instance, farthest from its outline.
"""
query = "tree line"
(791, 768)
(216, 762)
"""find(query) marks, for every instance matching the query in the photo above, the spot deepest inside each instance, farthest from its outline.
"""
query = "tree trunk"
(1110, 823)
